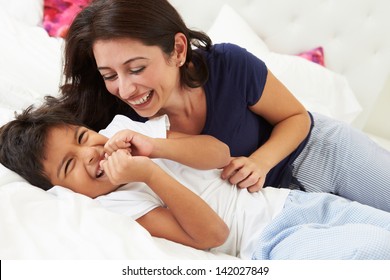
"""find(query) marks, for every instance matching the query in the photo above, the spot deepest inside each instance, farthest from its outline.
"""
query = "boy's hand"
(121, 167)
(136, 143)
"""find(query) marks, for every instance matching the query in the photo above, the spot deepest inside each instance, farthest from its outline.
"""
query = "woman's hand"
(245, 172)
(137, 144)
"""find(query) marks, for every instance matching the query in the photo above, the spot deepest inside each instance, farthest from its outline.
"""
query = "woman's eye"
(137, 70)
(109, 77)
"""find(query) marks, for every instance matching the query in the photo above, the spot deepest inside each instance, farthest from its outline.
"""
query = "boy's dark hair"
(23, 140)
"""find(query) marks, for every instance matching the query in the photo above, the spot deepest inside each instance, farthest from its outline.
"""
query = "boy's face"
(72, 157)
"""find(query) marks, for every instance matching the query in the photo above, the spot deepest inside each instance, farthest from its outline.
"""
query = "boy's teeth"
(99, 173)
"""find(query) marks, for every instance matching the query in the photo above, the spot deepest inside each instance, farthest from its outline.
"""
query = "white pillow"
(319, 89)
(230, 27)
(6, 115)
(31, 63)
(28, 11)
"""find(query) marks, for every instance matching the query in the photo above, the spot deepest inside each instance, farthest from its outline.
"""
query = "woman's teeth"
(142, 100)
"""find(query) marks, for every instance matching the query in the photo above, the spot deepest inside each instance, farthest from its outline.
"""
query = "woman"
(138, 58)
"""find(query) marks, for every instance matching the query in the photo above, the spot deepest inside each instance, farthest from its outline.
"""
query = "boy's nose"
(90, 155)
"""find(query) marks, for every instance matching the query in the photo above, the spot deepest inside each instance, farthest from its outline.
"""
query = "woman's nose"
(126, 88)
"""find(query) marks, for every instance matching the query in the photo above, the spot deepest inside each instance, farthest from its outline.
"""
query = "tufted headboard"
(354, 34)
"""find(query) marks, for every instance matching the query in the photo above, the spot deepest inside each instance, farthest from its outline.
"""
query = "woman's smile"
(142, 100)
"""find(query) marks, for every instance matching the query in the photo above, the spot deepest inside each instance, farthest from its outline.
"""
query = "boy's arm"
(187, 219)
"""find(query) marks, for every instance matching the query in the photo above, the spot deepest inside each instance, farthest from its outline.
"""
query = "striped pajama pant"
(341, 160)
(320, 226)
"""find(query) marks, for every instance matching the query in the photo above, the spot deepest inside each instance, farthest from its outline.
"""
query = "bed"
(333, 55)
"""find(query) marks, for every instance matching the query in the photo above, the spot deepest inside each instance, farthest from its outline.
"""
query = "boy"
(57, 150)
(270, 224)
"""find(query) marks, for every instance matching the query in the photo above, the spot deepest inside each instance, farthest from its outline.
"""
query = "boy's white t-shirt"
(246, 214)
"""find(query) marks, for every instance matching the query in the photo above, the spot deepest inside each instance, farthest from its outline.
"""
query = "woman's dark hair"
(23, 140)
(153, 22)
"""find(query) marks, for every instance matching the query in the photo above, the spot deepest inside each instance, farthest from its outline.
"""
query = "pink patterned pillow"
(315, 55)
(59, 14)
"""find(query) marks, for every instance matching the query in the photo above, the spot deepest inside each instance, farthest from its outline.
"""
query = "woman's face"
(142, 76)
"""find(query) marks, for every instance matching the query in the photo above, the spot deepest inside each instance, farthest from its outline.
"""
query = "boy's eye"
(81, 136)
(67, 166)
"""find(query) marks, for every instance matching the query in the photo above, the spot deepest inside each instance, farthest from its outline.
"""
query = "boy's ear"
(180, 53)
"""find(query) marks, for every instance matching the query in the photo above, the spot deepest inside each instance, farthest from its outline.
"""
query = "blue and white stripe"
(319, 226)
(340, 159)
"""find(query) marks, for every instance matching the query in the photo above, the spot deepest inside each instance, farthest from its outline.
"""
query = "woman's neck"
(187, 111)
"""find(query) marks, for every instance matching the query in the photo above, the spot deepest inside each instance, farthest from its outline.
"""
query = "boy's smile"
(72, 160)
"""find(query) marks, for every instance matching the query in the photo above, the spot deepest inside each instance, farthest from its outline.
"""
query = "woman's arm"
(197, 151)
(187, 219)
(291, 123)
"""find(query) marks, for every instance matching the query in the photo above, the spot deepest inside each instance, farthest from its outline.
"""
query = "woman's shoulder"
(228, 48)
(232, 53)
(223, 49)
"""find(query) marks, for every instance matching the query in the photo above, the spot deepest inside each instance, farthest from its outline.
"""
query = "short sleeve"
(133, 199)
(249, 72)
(156, 128)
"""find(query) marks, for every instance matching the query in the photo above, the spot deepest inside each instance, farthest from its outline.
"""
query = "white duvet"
(63, 225)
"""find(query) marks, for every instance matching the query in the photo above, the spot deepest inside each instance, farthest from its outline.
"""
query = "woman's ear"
(180, 52)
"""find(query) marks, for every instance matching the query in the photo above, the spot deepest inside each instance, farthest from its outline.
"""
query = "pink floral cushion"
(59, 14)
(315, 55)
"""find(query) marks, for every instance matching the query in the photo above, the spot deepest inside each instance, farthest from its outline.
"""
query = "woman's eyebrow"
(133, 59)
(63, 161)
(124, 63)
